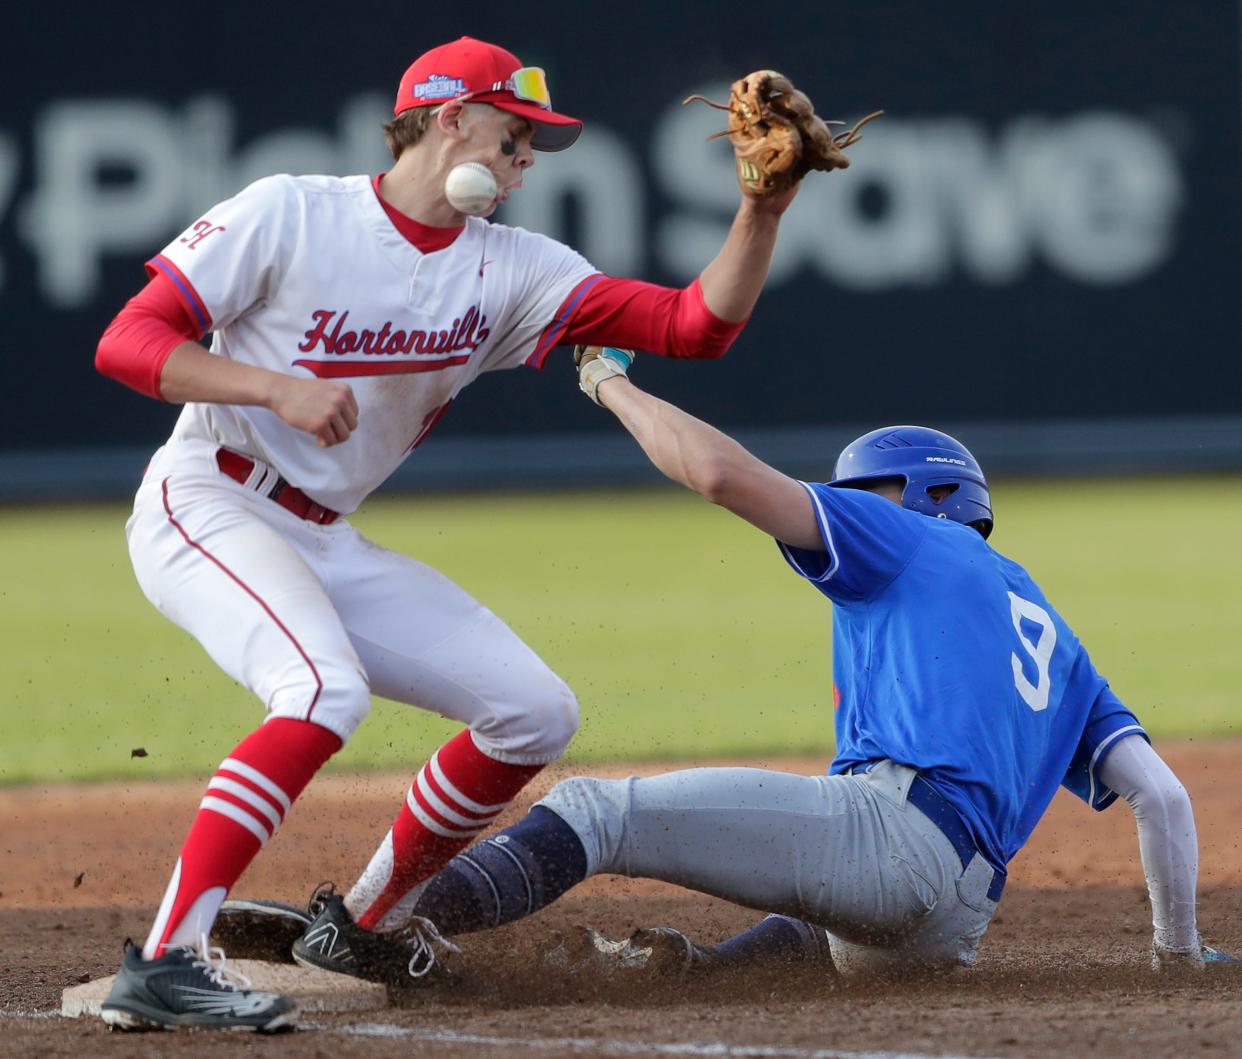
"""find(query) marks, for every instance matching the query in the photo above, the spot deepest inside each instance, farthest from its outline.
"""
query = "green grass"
(678, 626)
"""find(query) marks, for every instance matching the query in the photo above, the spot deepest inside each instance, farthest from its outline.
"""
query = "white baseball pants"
(314, 619)
(845, 852)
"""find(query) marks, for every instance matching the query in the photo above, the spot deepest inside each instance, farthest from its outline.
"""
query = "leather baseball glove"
(777, 137)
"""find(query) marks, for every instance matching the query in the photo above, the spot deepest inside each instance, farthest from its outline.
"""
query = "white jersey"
(308, 276)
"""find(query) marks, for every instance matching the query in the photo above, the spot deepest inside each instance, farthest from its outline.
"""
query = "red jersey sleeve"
(153, 323)
(631, 314)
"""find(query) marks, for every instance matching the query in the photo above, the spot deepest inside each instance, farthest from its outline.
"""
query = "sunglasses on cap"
(529, 84)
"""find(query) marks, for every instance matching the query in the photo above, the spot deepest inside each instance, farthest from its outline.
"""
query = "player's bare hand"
(322, 407)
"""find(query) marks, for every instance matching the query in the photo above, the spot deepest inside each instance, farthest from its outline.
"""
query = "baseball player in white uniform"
(347, 315)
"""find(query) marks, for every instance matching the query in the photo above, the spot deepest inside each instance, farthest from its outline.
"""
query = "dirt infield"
(1063, 970)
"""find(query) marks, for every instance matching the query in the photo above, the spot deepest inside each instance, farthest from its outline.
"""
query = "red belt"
(239, 468)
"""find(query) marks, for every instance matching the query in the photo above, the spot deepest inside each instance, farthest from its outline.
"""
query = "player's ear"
(450, 119)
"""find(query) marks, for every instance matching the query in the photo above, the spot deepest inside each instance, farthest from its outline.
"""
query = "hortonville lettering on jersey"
(468, 332)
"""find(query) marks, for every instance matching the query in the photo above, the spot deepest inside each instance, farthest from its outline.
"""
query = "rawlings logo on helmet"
(924, 461)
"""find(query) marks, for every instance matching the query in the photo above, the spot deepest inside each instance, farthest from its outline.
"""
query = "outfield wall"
(1039, 245)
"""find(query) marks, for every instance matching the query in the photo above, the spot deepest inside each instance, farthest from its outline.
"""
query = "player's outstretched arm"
(777, 139)
(1168, 844)
(699, 456)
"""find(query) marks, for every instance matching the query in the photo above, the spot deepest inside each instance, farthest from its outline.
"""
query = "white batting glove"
(597, 363)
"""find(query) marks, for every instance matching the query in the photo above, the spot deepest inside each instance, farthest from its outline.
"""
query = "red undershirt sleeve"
(636, 315)
(137, 343)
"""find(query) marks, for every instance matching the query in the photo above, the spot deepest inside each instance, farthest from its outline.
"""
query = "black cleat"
(189, 988)
(256, 929)
(334, 942)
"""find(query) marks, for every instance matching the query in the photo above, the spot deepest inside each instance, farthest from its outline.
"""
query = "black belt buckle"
(277, 489)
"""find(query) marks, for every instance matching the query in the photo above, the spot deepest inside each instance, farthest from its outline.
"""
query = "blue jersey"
(947, 657)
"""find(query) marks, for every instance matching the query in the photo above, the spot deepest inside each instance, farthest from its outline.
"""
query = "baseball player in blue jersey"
(963, 700)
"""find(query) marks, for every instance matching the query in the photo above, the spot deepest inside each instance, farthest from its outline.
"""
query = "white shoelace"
(424, 938)
(213, 961)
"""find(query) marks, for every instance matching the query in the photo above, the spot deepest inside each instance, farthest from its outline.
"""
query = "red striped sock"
(244, 804)
(454, 797)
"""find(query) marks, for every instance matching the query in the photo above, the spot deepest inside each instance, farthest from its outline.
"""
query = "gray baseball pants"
(845, 852)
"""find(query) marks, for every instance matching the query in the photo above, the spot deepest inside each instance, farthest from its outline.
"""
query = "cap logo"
(944, 459)
(440, 86)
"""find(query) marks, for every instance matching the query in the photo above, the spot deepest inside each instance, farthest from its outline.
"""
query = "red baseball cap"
(485, 73)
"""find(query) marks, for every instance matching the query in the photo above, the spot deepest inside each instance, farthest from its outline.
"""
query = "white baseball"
(470, 188)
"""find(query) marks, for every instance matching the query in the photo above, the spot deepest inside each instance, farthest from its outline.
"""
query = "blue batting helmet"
(921, 458)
